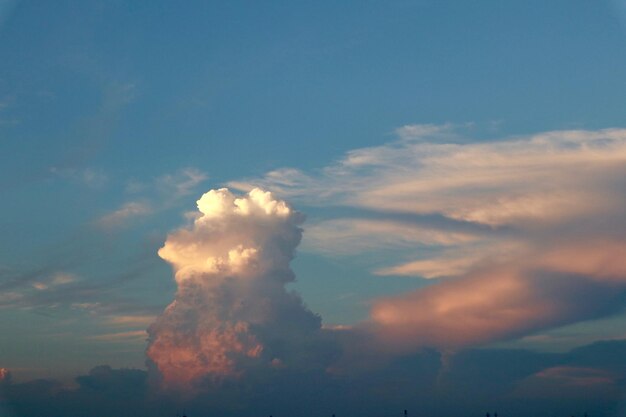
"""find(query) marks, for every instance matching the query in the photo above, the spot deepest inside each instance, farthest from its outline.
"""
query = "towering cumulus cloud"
(231, 309)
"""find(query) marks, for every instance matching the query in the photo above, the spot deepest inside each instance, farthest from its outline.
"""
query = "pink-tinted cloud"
(549, 242)
(496, 301)
(569, 382)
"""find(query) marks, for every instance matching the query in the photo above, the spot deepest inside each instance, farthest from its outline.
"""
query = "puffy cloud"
(231, 307)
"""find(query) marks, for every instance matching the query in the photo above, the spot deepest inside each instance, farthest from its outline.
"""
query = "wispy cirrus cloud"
(569, 382)
(50, 291)
(87, 176)
(152, 197)
(424, 131)
(123, 214)
(139, 335)
(545, 177)
(181, 183)
(60, 278)
(131, 320)
(356, 235)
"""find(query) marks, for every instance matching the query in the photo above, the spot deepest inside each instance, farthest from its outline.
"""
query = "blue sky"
(116, 116)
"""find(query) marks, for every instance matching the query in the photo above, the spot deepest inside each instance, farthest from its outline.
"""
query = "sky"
(307, 208)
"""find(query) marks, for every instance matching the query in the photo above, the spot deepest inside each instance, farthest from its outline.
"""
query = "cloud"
(123, 214)
(50, 291)
(161, 194)
(60, 278)
(231, 310)
(422, 131)
(5, 375)
(568, 382)
(9, 298)
(87, 176)
(356, 235)
(492, 304)
(181, 183)
(517, 382)
(546, 177)
(522, 229)
(431, 268)
(131, 320)
(121, 336)
(538, 287)
(576, 376)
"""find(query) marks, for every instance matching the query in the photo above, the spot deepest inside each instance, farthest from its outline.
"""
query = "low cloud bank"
(471, 382)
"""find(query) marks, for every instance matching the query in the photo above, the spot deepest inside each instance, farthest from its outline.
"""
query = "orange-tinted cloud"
(542, 289)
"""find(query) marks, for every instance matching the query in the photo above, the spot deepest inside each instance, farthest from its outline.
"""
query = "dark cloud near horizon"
(590, 379)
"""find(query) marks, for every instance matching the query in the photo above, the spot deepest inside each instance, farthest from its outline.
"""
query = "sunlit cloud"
(131, 320)
(431, 268)
(60, 278)
(549, 177)
(231, 266)
(354, 235)
(423, 131)
(123, 214)
(133, 335)
(548, 210)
